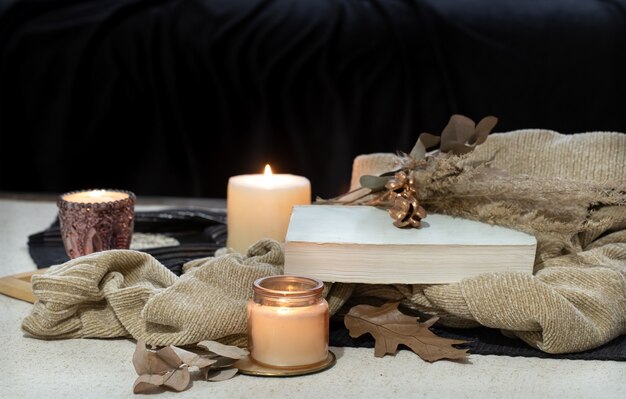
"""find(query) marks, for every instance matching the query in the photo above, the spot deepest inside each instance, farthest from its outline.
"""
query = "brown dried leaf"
(424, 142)
(458, 130)
(222, 362)
(461, 135)
(391, 328)
(169, 356)
(229, 351)
(149, 362)
(429, 140)
(169, 366)
(147, 382)
(177, 379)
(484, 127)
(217, 375)
(192, 359)
(419, 150)
(156, 368)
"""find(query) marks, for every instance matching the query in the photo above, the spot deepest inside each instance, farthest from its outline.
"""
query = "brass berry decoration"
(406, 210)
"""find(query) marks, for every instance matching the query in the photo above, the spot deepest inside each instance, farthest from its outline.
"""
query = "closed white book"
(359, 244)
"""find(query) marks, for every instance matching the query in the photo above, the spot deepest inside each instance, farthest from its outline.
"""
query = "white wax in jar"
(288, 336)
(259, 206)
(95, 196)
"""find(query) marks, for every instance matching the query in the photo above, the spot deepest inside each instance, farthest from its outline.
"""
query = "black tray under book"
(202, 232)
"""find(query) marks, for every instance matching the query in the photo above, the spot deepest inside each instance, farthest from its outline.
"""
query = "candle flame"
(268, 170)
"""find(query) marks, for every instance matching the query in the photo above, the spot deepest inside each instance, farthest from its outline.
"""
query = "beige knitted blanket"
(576, 299)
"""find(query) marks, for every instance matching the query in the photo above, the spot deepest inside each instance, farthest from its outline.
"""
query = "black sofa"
(171, 97)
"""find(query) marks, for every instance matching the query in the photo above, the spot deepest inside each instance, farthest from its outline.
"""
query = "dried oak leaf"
(391, 328)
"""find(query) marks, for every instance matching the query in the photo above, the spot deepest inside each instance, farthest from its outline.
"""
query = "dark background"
(172, 97)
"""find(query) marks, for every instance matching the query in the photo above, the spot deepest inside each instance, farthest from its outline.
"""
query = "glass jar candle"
(96, 220)
(288, 322)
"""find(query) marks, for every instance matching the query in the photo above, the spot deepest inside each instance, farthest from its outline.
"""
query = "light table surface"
(99, 368)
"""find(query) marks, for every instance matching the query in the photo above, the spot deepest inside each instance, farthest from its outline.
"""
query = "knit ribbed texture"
(572, 302)
(127, 293)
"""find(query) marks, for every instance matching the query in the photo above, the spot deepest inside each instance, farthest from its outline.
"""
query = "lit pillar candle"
(288, 322)
(259, 206)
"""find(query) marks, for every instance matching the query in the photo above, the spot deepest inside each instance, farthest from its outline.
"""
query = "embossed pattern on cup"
(88, 226)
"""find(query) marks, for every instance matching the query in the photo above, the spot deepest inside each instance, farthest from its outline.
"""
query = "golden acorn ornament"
(406, 210)
(397, 183)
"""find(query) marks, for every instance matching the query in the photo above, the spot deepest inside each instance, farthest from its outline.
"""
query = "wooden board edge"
(18, 285)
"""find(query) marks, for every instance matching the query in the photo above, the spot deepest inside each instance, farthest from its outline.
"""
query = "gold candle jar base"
(248, 366)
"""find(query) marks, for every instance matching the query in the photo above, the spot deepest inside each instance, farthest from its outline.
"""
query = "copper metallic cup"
(96, 220)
